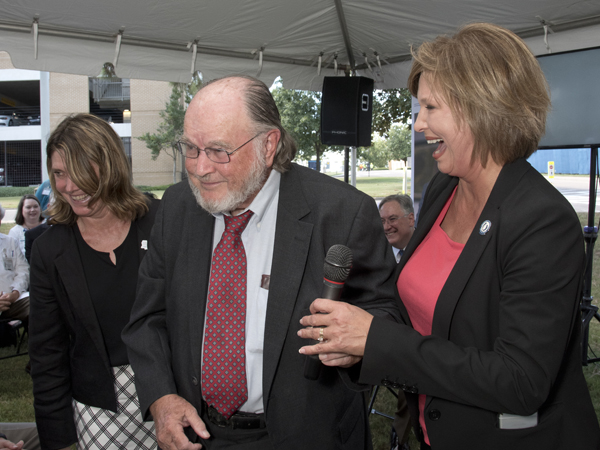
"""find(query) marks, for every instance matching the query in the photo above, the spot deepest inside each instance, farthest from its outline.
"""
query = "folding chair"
(12, 333)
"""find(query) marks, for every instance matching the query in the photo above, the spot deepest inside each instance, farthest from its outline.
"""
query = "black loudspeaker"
(347, 111)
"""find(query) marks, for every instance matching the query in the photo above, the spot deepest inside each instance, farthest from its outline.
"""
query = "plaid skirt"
(102, 429)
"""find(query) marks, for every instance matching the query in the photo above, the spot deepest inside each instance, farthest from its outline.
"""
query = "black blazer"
(31, 235)
(506, 326)
(68, 356)
(164, 336)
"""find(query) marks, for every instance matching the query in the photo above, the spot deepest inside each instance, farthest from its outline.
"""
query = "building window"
(19, 103)
(20, 163)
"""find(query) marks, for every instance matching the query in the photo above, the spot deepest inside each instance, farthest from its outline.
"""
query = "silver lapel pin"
(485, 227)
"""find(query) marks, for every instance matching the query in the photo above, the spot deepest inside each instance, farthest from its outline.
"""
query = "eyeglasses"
(392, 220)
(217, 155)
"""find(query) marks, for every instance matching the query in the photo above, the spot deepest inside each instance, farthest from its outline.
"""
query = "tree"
(377, 154)
(395, 148)
(171, 128)
(391, 106)
(398, 143)
(301, 117)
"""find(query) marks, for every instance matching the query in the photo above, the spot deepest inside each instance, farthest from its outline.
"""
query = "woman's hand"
(343, 329)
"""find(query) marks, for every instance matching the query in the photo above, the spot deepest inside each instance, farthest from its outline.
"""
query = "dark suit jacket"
(165, 334)
(506, 326)
(66, 347)
(31, 235)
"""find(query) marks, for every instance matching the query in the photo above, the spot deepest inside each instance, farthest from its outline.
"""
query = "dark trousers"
(402, 423)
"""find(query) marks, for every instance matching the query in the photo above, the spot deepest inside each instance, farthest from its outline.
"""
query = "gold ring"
(320, 335)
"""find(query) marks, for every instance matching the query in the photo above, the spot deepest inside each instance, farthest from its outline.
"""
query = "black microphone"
(336, 268)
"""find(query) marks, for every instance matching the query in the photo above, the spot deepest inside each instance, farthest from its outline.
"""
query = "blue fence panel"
(567, 161)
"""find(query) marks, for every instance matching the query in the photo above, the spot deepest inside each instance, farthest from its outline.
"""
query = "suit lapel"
(70, 271)
(198, 241)
(291, 248)
(475, 246)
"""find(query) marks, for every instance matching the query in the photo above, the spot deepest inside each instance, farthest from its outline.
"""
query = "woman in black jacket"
(83, 281)
(490, 283)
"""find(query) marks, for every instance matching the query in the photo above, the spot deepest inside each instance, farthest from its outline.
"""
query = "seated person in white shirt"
(14, 278)
(398, 219)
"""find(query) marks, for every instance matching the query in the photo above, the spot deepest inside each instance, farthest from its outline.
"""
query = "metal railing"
(110, 90)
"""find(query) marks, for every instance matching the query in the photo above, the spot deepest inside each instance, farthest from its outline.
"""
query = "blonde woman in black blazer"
(83, 281)
(490, 283)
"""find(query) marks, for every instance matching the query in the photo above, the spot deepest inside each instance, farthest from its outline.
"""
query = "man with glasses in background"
(398, 219)
(234, 261)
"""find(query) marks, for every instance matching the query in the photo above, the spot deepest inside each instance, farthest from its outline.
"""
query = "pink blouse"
(422, 280)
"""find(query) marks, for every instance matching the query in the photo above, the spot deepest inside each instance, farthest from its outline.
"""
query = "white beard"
(253, 182)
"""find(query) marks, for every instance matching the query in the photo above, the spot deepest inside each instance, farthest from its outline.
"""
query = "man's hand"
(6, 444)
(6, 300)
(4, 305)
(171, 415)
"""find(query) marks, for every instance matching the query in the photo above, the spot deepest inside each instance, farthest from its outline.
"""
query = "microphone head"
(338, 263)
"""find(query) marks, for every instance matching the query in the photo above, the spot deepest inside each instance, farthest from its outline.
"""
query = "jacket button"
(195, 381)
(385, 383)
(435, 414)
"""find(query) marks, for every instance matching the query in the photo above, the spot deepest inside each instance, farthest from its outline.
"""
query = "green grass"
(16, 398)
(9, 202)
(378, 187)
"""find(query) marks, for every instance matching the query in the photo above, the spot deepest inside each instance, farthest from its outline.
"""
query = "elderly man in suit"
(217, 361)
(398, 219)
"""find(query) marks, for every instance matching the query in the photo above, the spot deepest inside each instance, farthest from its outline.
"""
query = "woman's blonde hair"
(95, 160)
(492, 82)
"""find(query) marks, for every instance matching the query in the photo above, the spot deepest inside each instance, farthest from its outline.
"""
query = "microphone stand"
(590, 234)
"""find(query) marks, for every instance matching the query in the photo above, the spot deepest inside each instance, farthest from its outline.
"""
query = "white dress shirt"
(398, 253)
(18, 232)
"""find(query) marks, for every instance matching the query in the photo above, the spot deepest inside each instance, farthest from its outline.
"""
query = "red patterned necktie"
(224, 356)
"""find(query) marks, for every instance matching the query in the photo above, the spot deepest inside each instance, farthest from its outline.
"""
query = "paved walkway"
(9, 216)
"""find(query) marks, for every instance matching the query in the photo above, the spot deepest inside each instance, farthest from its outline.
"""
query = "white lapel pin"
(485, 227)
(144, 245)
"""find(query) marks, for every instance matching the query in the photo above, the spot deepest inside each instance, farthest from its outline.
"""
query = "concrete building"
(33, 103)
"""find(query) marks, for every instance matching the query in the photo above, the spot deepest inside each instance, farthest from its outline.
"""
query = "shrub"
(10, 191)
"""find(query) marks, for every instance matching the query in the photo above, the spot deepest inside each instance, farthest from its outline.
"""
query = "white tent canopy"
(155, 39)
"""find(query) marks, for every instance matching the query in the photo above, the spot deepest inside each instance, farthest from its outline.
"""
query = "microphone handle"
(331, 289)
(312, 364)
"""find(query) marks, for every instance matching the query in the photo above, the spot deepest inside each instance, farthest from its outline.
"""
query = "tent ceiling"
(157, 41)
